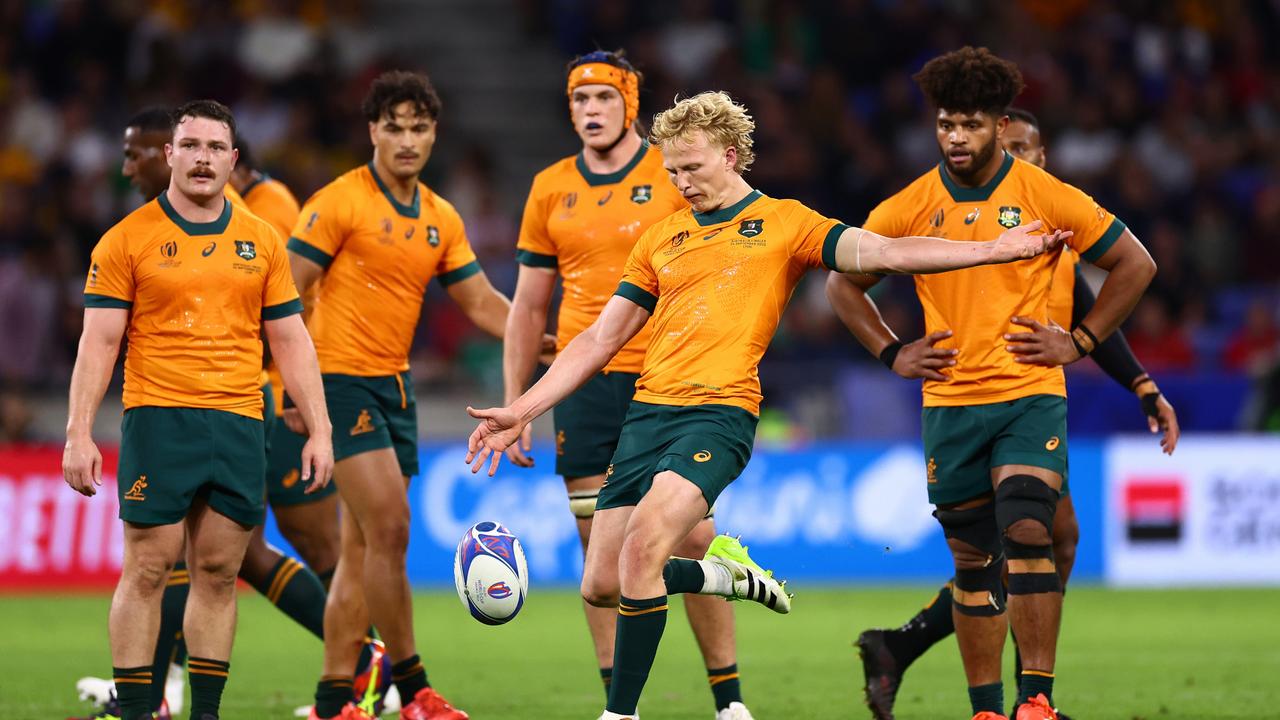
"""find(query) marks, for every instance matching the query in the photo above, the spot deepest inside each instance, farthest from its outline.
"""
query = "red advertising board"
(51, 537)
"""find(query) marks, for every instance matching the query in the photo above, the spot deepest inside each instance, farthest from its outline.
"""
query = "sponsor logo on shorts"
(641, 194)
(290, 479)
(560, 443)
(608, 473)
(1052, 444)
(931, 471)
(364, 423)
(499, 590)
(702, 456)
(135, 493)
(1010, 216)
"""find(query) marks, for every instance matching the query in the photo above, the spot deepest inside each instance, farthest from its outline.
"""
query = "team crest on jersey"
(1010, 217)
(245, 249)
(641, 194)
(433, 236)
(751, 228)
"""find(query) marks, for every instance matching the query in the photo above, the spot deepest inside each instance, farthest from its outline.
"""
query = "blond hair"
(724, 123)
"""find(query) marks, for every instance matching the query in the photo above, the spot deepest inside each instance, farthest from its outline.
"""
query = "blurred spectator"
(1253, 348)
(1156, 340)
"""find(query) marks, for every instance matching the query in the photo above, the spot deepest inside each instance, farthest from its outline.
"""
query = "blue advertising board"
(823, 512)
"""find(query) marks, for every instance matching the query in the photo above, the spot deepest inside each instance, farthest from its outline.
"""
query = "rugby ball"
(490, 574)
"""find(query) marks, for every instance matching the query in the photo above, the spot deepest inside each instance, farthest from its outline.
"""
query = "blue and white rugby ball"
(490, 574)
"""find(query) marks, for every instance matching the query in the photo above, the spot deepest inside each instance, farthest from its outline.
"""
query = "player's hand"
(293, 420)
(82, 465)
(518, 453)
(1161, 417)
(1047, 345)
(547, 353)
(1020, 243)
(317, 461)
(498, 430)
(920, 359)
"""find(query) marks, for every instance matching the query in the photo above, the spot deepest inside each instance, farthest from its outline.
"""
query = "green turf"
(1154, 655)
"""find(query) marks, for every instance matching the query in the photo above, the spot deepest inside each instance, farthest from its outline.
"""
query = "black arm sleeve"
(1113, 354)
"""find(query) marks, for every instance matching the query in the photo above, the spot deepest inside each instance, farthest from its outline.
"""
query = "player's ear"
(235, 157)
(731, 157)
(373, 134)
(1001, 124)
(168, 154)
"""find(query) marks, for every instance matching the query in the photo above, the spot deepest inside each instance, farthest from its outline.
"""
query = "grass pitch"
(1154, 655)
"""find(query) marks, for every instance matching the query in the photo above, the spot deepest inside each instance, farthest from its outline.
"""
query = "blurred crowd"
(1167, 111)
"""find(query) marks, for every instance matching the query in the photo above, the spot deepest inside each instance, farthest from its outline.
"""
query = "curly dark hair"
(396, 86)
(970, 80)
(211, 109)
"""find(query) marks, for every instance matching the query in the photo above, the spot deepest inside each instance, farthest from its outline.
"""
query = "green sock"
(639, 630)
(409, 677)
(292, 587)
(1034, 682)
(332, 694)
(173, 607)
(987, 697)
(326, 578)
(133, 691)
(724, 685)
(682, 576)
(606, 677)
(207, 677)
(921, 632)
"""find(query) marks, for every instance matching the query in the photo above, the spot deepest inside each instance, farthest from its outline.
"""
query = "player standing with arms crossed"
(583, 216)
(715, 278)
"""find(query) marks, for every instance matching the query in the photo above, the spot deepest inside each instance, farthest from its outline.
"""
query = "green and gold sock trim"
(138, 675)
(284, 572)
(205, 666)
(633, 610)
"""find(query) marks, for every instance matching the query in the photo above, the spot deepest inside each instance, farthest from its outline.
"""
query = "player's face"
(598, 115)
(1022, 140)
(144, 161)
(968, 141)
(702, 171)
(402, 141)
(201, 157)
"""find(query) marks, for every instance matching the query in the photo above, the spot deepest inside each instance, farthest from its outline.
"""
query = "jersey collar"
(409, 211)
(723, 215)
(613, 178)
(214, 227)
(982, 193)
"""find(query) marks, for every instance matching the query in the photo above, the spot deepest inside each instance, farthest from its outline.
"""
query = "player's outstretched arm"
(95, 359)
(583, 357)
(847, 293)
(295, 355)
(862, 251)
(522, 344)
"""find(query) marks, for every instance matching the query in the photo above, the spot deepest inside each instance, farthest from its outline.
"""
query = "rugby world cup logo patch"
(245, 249)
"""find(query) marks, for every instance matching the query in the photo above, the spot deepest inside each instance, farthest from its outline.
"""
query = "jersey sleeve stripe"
(533, 259)
(829, 245)
(637, 295)
(92, 300)
(1105, 242)
(310, 252)
(283, 310)
(459, 274)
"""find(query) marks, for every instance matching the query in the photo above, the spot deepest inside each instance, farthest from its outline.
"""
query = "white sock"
(717, 580)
